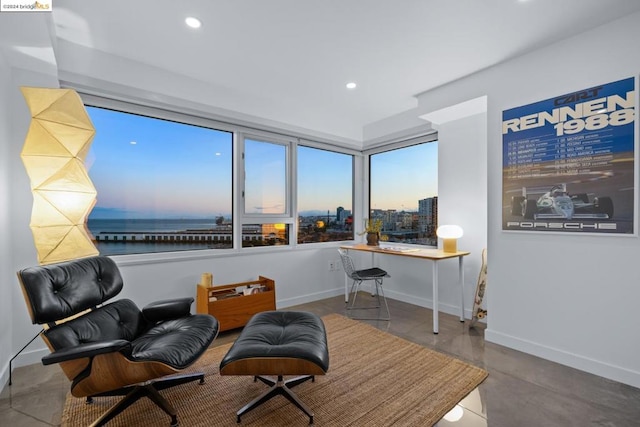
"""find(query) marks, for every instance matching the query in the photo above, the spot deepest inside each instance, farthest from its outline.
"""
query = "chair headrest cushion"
(57, 291)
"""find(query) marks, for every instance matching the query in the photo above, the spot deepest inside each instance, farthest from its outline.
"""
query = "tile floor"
(521, 390)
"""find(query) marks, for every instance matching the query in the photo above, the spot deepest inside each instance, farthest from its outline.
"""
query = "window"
(325, 195)
(265, 166)
(267, 216)
(170, 182)
(403, 193)
(162, 185)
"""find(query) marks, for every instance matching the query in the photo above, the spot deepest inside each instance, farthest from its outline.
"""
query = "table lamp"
(449, 235)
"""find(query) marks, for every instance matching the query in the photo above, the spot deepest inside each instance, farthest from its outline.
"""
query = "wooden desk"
(433, 255)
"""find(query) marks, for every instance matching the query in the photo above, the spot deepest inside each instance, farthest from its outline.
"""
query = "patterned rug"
(374, 379)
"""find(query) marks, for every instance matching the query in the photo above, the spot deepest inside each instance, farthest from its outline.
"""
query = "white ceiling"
(288, 60)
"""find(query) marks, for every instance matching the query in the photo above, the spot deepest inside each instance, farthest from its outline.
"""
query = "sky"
(151, 168)
(399, 178)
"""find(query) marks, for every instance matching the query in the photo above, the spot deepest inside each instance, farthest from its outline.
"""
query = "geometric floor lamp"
(53, 154)
(54, 150)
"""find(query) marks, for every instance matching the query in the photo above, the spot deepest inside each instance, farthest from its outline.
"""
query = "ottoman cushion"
(279, 343)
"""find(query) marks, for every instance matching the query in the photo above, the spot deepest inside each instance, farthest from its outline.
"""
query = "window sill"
(164, 257)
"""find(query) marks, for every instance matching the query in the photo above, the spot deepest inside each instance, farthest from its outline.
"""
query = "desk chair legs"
(378, 292)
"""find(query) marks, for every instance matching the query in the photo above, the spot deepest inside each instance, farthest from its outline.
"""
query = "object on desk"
(449, 235)
(478, 312)
(400, 249)
(372, 228)
(373, 239)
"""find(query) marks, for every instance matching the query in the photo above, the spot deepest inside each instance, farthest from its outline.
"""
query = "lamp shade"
(449, 235)
(449, 231)
(53, 154)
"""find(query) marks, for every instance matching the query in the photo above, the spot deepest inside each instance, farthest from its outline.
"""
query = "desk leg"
(434, 280)
(461, 279)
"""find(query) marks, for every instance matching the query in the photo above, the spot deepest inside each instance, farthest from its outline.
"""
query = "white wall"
(6, 275)
(568, 298)
(462, 194)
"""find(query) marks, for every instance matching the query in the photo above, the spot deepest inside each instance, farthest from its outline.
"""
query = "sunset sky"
(150, 168)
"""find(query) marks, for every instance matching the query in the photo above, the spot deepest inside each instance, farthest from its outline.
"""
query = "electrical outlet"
(332, 266)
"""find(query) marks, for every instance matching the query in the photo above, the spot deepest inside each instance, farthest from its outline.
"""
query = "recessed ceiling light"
(193, 22)
(351, 85)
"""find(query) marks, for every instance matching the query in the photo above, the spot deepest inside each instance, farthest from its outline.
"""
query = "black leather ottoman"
(279, 343)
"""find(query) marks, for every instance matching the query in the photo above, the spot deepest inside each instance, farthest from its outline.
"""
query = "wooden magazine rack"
(232, 309)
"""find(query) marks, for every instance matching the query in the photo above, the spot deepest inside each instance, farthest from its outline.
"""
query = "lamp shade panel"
(72, 176)
(57, 105)
(41, 142)
(74, 139)
(40, 168)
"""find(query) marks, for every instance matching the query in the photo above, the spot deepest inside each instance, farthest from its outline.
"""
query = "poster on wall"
(568, 162)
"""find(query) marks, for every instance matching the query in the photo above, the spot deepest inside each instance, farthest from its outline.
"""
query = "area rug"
(374, 379)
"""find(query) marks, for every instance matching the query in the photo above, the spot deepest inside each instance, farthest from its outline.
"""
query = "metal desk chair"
(358, 276)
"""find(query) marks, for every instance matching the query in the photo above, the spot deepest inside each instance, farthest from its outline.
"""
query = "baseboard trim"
(428, 303)
(288, 302)
(592, 366)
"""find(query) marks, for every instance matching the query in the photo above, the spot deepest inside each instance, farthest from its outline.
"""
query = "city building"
(428, 215)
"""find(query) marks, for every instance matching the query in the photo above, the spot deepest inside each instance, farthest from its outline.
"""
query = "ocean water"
(147, 225)
(96, 226)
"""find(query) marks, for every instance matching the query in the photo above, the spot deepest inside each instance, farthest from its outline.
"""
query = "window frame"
(245, 218)
(175, 117)
(239, 132)
(356, 160)
(425, 138)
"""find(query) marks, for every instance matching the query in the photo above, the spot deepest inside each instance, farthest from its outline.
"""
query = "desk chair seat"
(376, 275)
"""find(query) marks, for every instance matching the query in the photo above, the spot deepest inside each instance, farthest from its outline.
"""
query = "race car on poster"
(556, 203)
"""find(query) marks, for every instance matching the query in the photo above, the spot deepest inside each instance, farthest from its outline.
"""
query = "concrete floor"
(521, 390)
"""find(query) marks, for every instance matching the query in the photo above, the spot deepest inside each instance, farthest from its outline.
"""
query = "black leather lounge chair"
(113, 349)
